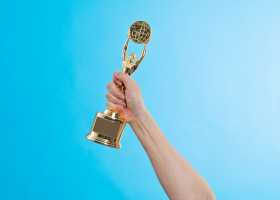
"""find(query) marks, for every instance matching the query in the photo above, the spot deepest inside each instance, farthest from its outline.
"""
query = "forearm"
(125, 49)
(138, 61)
(177, 177)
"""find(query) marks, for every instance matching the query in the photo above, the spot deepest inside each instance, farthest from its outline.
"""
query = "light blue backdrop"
(210, 78)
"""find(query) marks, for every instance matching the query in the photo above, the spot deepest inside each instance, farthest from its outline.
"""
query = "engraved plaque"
(106, 127)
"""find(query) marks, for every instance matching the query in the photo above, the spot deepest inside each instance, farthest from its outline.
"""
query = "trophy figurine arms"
(137, 62)
(125, 50)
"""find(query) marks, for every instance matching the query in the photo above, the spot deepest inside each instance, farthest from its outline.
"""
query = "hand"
(130, 103)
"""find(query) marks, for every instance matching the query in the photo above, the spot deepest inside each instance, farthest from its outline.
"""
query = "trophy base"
(102, 139)
(107, 129)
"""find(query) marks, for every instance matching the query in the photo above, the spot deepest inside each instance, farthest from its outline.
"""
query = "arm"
(125, 50)
(177, 177)
(137, 62)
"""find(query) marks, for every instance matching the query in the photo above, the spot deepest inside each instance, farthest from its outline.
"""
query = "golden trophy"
(108, 126)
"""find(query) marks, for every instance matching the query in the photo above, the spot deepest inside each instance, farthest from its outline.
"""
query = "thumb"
(123, 77)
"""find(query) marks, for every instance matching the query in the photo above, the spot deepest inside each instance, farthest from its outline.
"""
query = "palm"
(132, 102)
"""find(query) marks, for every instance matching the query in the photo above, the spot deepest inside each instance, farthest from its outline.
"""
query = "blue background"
(210, 78)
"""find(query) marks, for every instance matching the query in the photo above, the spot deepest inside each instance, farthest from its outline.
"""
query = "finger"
(113, 106)
(115, 91)
(117, 81)
(115, 100)
(123, 77)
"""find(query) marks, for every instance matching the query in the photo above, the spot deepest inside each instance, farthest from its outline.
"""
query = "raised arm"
(176, 175)
(125, 50)
(137, 62)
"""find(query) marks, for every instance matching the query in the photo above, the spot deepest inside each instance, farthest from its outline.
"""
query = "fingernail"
(119, 83)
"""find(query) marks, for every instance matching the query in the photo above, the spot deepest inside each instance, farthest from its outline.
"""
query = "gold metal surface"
(107, 127)
(140, 32)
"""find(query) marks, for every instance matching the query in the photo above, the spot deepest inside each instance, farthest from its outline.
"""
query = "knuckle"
(121, 95)
(116, 73)
(107, 95)
(124, 76)
(120, 108)
(120, 101)
(112, 84)
(118, 93)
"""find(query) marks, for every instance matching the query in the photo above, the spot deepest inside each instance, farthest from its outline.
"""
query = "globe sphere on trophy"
(108, 126)
(140, 32)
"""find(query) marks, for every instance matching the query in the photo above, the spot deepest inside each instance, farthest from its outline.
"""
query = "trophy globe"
(140, 32)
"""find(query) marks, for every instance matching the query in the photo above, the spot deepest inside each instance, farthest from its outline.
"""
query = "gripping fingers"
(113, 106)
(115, 91)
(122, 77)
(115, 100)
(118, 82)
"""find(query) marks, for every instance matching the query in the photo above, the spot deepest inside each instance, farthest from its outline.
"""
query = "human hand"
(130, 103)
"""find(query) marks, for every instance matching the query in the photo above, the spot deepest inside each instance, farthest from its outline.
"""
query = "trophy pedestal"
(107, 129)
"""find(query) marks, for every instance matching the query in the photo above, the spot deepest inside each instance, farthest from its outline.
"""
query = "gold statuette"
(108, 126)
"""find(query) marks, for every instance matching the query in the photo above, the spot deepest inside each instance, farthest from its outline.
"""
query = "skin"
(177, 177)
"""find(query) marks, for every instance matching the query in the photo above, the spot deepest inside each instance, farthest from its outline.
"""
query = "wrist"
(139, 116)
